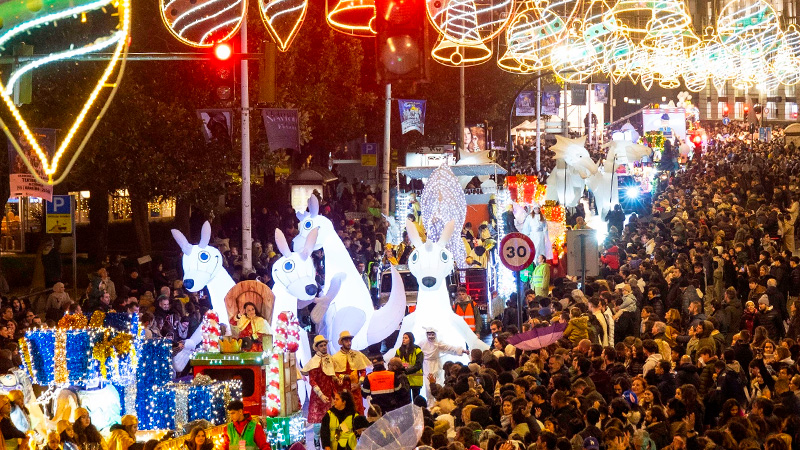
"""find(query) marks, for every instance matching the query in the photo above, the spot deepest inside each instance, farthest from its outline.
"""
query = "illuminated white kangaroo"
(431, 263)
(202, 266)
(351, 309)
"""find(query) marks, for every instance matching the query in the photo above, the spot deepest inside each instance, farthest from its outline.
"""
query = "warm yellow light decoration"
(118, 39)
(354, 17)
(202, 23)
(452, 54)
(532, 33)
(60, 374)
(283, 19)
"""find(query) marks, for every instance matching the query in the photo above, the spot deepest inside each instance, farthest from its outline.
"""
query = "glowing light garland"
(353, 17)
(203, 23)
(118, 39)
(465, 26)
(283, 19)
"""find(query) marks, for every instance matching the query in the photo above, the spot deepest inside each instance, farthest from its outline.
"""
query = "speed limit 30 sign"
(516, 251)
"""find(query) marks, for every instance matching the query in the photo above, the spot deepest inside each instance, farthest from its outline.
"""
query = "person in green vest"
(244, 432)
(336, 430)
(411, 356)
(541, 278)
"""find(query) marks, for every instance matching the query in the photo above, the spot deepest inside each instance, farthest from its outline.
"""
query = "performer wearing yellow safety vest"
(337, 432)
(541, 278)
(411, 356)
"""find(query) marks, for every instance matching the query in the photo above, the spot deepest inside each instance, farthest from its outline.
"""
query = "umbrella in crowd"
(538, 337)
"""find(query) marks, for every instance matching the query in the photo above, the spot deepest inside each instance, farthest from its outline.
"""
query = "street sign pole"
(517, 253)
(74, 251)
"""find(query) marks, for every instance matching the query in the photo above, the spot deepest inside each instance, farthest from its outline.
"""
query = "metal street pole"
(387, 151)
(589, 100)
(462, 109)
(566, 119)
(247, 257)
(538, 122)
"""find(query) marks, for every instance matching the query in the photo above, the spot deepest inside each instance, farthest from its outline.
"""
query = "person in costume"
(411, 356)
(433, 349)
(322, 378)
(243, 432)
(337, 429)
(250, 324)
(351, 368)
(534, 226)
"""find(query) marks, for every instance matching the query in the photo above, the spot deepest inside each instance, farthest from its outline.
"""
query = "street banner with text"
(282, 128)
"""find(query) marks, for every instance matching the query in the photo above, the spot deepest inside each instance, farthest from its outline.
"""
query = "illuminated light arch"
(19, 18)
(787, 64)
(353, 17)
(202, 23)
(283, 19)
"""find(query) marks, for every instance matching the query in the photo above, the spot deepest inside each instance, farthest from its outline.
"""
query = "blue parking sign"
(58, 217)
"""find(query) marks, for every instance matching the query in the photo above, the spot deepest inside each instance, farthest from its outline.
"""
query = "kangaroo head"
(310, 220)
(295, 270)
(201, 262)
(430, 262)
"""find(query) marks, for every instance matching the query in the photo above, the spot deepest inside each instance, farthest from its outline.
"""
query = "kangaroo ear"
(300, 214)
(313, 205)
(311, 240)
(280, 242)
(446, 233)
(205, 235)
(413, 235)
(183, 243)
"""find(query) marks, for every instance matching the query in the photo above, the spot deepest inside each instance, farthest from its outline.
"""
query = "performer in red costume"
(351, 368)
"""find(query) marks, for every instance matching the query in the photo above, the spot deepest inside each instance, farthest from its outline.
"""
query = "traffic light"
(223, 77)
(401, 51)
(725, 110)
(746, 111)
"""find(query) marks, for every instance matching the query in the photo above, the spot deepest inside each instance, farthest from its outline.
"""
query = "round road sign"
(516, 251)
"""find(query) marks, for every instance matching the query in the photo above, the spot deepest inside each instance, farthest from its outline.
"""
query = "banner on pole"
(526, 104)
(282, 128)
(551, 102)
(601, 92)
(412, 115)
(578, 94)
(21, 181)
(216, 124)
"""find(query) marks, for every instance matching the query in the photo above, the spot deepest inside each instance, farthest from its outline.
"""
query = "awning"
(472, 170)
(314, 174)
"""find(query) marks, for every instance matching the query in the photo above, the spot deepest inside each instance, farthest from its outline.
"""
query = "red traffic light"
(725, 109)
(223, 51)
(697, 139)
(746, 108)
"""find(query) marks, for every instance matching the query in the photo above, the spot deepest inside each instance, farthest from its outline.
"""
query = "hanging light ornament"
(572, 60)
(620, 58)
(353, 17)
(465, 26)
(750, 29)
(202, 23)
(695, 76)
(283, 19)
(533, 32)
(600, 36)
(787, 64)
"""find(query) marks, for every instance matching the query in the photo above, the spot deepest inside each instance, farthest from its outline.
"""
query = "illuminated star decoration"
(283, 19)
(443, 200)
(21, 17)
(203, 23)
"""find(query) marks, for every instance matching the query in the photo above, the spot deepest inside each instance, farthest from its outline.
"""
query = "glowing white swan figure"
(430, 263)
(351, 308)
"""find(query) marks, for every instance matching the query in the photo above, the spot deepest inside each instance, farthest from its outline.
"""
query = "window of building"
(772, 110)
(738, 110)
(791, 111)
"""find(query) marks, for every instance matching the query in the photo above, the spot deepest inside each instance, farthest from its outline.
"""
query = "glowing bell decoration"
(283, 19)
(532, 34)
(203, 23)
(465, 26)
(353, 17)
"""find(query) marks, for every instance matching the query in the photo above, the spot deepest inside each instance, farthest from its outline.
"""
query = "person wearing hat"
(123, 434)
(14, 438)
(243, 432)
(387, 389)
(411, 357)
(85, 432)
(591, 443)
(66, 435)
(351, 368)
(322, 378)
